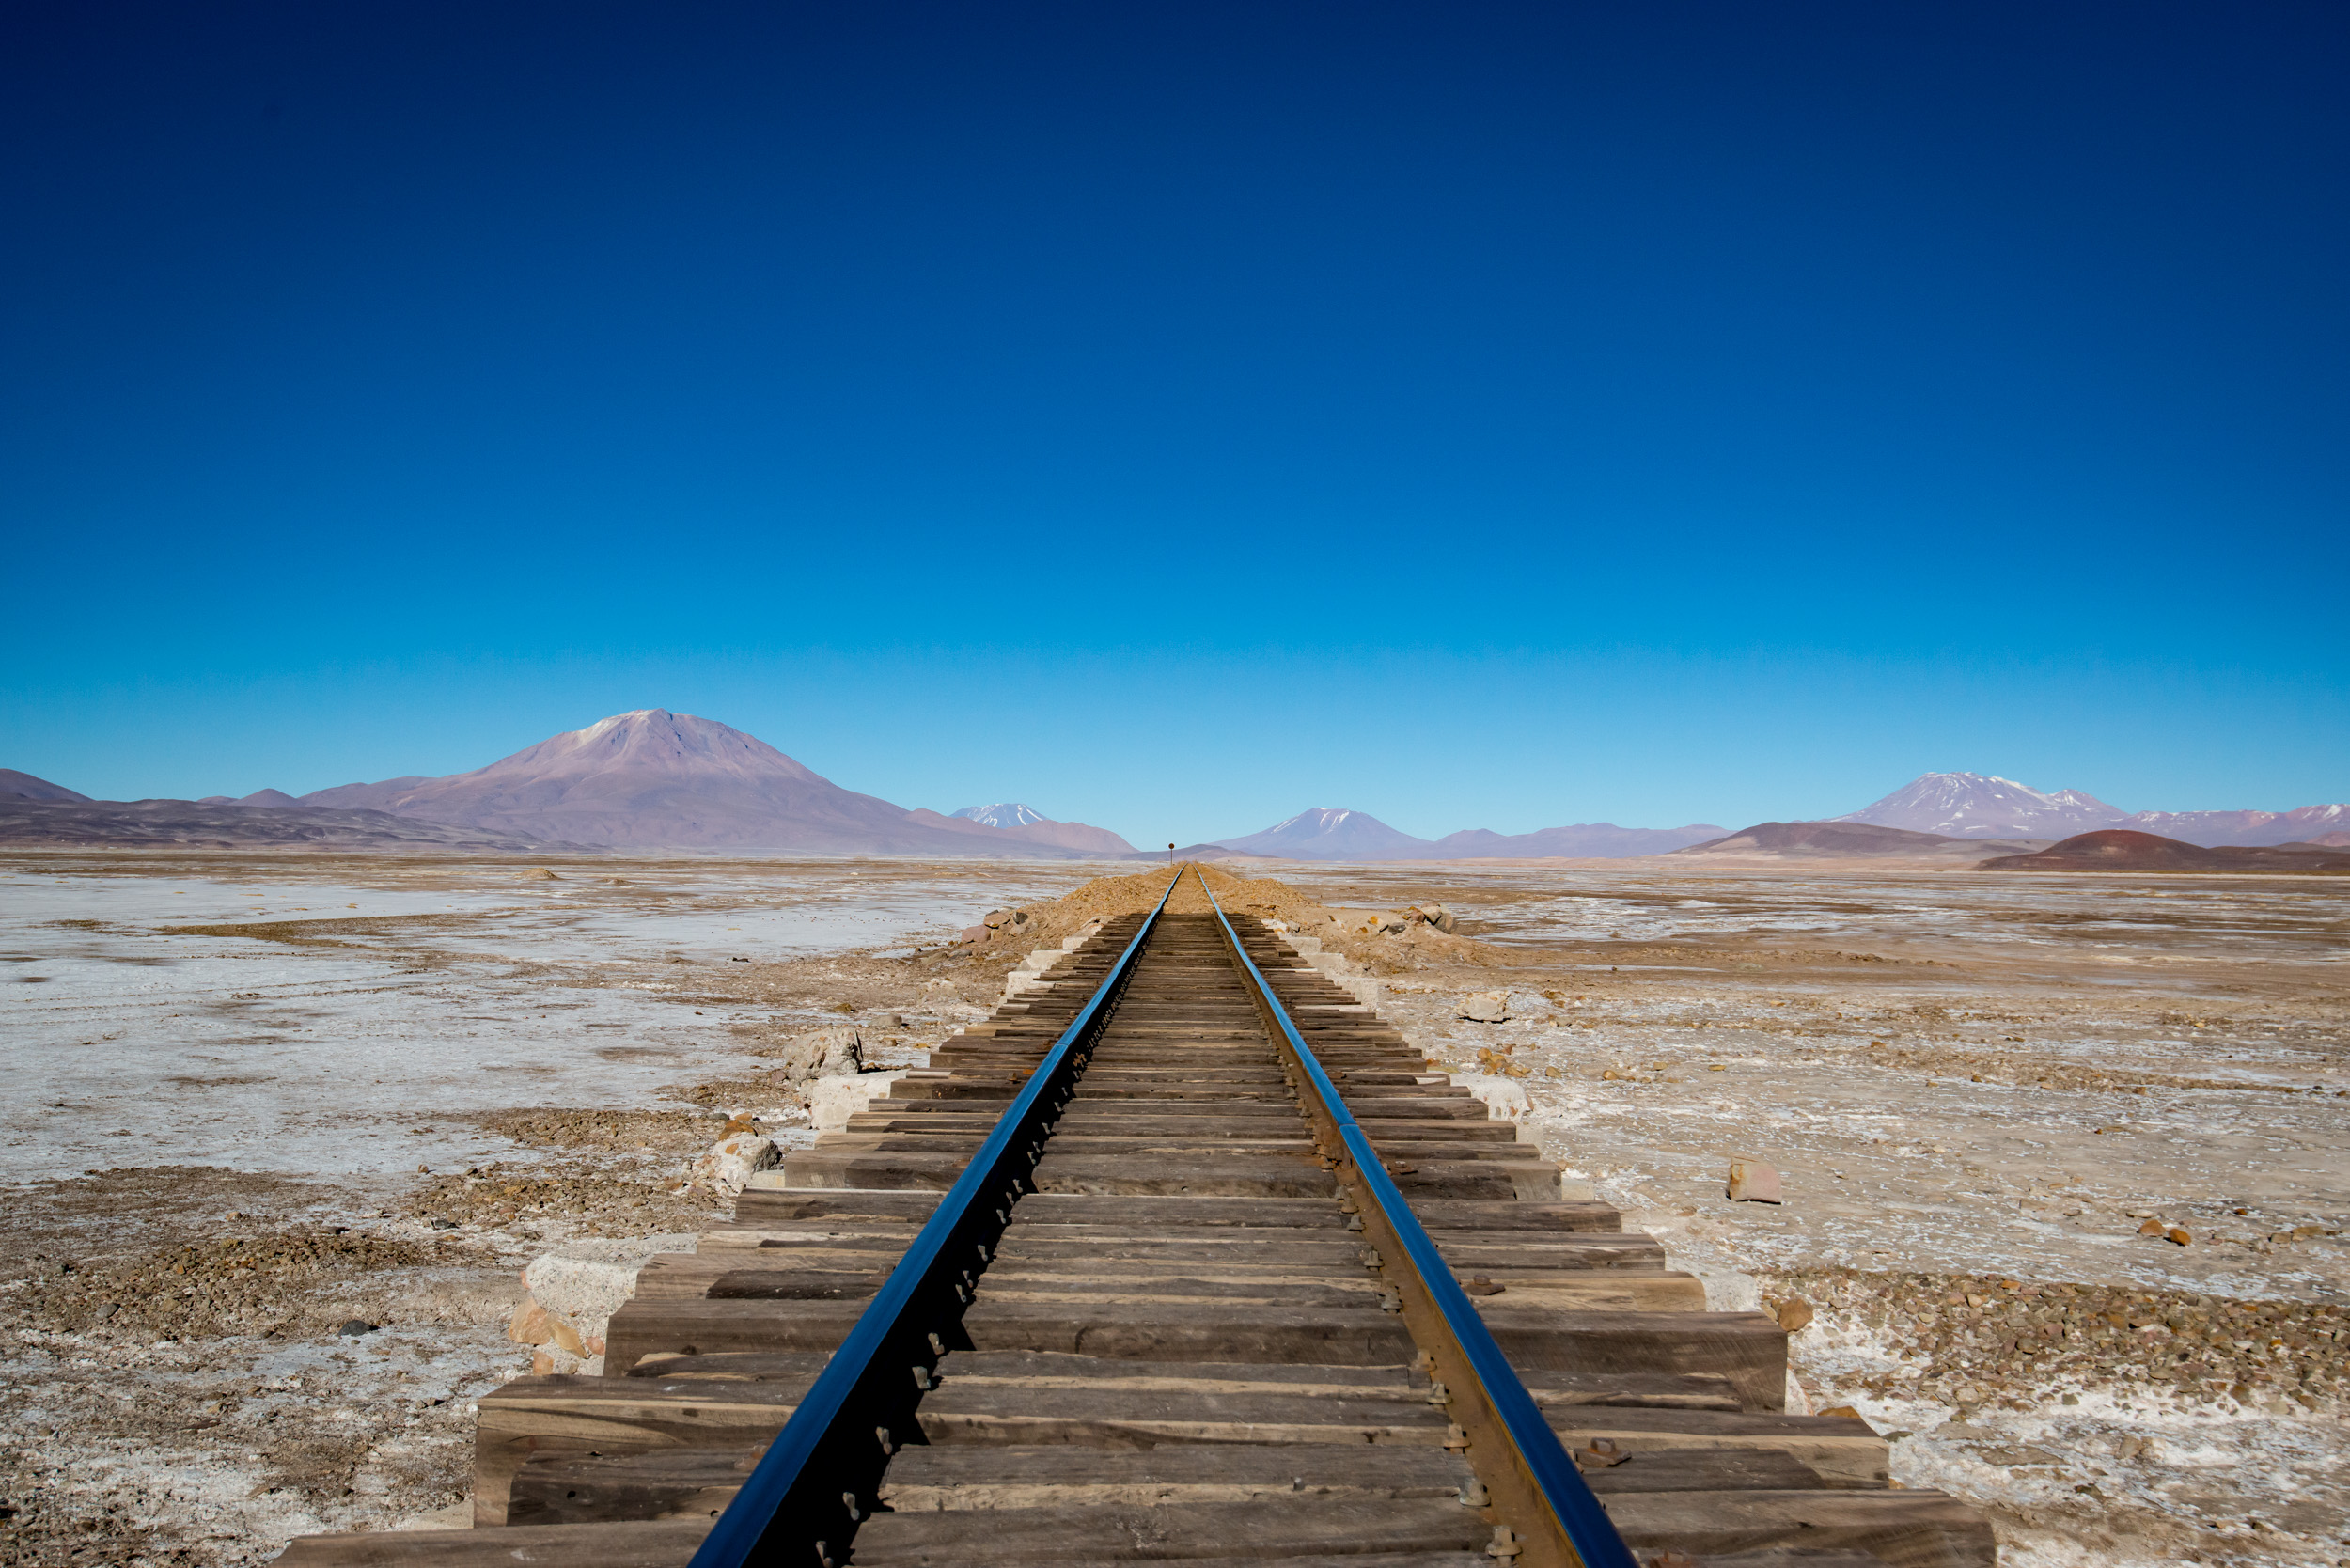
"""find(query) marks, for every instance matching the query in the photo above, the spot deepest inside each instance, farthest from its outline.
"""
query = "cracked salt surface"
(2284, 920)
(275, 1085)
(1960, 1078)
(407, 1395)
(128, 1042)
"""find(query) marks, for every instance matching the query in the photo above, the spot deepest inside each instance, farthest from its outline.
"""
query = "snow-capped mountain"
(2307, 824)
(1332, 833)
(1975, 805)
(1002, 814)
(1030, 826)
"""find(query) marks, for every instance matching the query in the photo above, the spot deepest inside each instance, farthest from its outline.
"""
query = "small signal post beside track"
(1182, 1254)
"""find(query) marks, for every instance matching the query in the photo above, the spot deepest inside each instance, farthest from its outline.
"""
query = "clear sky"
(1177, 415)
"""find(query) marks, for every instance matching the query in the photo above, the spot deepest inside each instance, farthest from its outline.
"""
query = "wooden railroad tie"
(1184, 1343)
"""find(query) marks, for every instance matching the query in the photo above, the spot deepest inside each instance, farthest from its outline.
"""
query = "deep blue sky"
(1174, 417)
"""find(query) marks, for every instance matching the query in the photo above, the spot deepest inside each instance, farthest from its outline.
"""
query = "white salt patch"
(125, 1043)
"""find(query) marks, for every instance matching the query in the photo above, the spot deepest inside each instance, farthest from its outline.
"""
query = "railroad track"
(1180, 1255)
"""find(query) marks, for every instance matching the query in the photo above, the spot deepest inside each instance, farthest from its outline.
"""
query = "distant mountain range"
(648, 779)
(1037, 833)
(1327, 832)
(1033, 827)
(1977, 805)
(1936, 815)
(654, 779)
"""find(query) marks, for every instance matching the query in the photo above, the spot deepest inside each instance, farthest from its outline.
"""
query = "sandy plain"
(254, 1100)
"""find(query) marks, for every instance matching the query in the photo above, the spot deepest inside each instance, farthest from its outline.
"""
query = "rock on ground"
(733, 1161)
(819, 1052)
(1505, 1097)
(832, 1100)
(1486, 1006)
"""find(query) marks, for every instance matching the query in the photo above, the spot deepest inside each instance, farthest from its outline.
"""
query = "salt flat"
(1978, 1089)
(363, 1007)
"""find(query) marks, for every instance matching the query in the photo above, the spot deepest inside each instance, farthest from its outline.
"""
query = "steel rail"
(1544, 1513)
(800, 1506)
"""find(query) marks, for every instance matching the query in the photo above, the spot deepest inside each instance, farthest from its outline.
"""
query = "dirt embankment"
(1376, 940)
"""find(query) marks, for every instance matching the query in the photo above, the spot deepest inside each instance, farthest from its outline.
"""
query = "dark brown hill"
(2121, 849)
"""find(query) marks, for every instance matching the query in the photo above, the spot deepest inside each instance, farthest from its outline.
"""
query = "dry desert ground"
(281, 1129)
